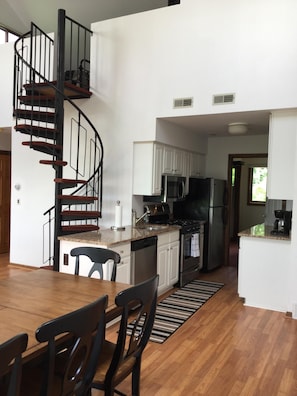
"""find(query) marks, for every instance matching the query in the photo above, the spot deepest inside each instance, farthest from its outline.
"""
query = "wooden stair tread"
(61, 180)
(42, 144)
(76, 199)
(36, 98)
(71, 229)
(44, 147)
(68, 215)
(44, 116)
(36, 130)
(69, 183)
(53, 162)
(71, 212)
(68, 87)
(70, 90)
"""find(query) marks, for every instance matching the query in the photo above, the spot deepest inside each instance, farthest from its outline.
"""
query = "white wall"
(244, 46)
(28, 204)
(175, 54)
(36, 193)
(219, 149)
(6, 84)
(139, 64)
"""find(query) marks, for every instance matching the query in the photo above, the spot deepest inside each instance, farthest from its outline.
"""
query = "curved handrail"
(24, 68)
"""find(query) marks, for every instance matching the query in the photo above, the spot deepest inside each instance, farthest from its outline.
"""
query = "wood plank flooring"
(225, 349)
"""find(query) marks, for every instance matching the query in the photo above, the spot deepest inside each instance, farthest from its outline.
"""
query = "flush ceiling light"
(237, 128)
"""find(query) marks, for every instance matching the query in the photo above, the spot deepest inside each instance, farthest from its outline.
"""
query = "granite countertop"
(109, 238)
(263, 231)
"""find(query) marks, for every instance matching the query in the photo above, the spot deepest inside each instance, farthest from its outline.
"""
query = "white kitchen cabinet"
(263, 270)
(172, 160)
(152, 159)
(67, 262)
(147, 168)
(124, 267)
(197, 165)
(281, 154)
(168, 260)
(173, 263)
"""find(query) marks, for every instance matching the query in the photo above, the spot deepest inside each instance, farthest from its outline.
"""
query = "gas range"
(160, 213)
(187, 225)
(191, 240)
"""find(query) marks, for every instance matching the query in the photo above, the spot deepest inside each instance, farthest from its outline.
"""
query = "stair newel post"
(60, 128)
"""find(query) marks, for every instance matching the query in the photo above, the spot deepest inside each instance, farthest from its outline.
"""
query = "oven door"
(190, 251)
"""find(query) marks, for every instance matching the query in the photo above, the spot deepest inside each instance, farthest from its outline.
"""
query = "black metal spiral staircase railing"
(73, 146)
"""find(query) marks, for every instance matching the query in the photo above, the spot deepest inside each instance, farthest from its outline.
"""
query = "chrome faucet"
(142, 217)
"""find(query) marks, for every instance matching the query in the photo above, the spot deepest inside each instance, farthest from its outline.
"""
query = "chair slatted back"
(74, 363)
(11, 362)
(99, 257)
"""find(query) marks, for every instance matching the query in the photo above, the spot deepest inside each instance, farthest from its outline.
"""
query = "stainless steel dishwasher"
(143, 259)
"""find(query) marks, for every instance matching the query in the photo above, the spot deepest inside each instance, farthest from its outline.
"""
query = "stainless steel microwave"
(173, 187)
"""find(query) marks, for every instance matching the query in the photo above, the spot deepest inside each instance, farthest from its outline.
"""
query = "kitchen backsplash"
(271, 206)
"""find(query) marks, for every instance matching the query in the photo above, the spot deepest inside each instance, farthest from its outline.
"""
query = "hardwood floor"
(8, 269)
(224, 349)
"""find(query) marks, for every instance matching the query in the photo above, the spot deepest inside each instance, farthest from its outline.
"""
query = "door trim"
(5, 198)
(231, 158)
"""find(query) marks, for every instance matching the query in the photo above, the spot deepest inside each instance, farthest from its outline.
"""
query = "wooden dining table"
(32, 298)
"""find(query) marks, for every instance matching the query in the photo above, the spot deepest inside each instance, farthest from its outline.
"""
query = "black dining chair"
(11, 364)
(69, 363)
(120, 359)
(99, 257)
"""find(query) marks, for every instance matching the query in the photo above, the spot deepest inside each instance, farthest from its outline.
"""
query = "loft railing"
(35, 55)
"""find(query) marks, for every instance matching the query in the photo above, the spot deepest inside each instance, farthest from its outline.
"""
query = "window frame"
(250, 200)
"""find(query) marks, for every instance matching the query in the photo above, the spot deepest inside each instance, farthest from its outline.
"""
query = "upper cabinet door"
(197, 165)
(281, 154)
(147, 168)
(173, 161)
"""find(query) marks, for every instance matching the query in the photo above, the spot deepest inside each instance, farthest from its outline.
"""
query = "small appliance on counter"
(282, 223)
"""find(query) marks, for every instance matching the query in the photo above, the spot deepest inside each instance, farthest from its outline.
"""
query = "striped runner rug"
(179, 306)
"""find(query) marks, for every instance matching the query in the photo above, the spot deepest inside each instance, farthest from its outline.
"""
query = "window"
(257, 185)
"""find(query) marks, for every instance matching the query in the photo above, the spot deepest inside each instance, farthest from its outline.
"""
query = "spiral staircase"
(49, 74)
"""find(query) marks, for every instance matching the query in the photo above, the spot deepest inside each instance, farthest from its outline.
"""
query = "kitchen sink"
(153, 227)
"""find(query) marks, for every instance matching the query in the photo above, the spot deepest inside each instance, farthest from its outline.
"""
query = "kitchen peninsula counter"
(120, 242)
(263, 231)
(109, 238)
(263, 268)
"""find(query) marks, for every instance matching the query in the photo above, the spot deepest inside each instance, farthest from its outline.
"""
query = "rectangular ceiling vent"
(224, 99)
(182, 102)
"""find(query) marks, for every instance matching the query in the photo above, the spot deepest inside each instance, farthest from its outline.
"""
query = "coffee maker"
(282, 223)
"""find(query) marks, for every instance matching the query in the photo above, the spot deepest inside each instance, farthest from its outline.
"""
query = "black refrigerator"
(207, 201)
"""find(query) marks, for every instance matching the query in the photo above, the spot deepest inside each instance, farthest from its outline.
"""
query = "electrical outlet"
(66, 259)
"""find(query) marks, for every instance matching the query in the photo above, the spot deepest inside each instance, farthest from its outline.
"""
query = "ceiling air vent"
(182, 102)
(223, 99)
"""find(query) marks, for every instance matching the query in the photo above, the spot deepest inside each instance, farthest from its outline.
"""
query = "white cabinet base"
(263, 273)
(168, 260)
(67, 262)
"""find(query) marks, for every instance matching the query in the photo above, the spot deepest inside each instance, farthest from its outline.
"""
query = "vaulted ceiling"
(18, 14)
